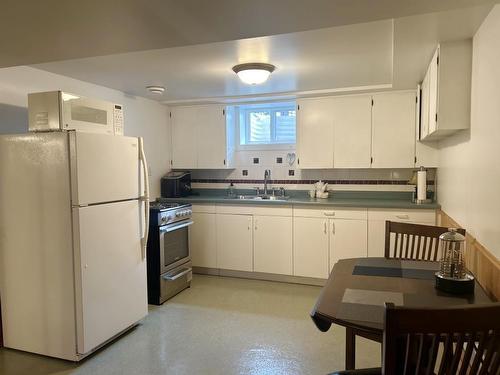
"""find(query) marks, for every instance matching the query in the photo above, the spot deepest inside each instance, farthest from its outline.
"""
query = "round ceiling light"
(254, 73)
(156, 89)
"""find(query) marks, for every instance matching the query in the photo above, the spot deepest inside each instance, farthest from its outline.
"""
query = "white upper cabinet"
(201, 137)
(315, 133)
(393, 130)
(352, 118)
(426, 153)
(184, 139)
(446, 91)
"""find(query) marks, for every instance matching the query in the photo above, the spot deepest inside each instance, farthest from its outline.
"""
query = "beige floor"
(218, 326)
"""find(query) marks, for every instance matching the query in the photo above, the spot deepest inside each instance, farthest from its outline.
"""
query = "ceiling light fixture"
(254, 73)
(156, 89)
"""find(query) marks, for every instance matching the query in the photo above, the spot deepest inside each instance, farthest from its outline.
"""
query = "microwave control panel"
(118, 119)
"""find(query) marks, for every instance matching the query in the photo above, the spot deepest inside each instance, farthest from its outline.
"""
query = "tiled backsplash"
(250, 166)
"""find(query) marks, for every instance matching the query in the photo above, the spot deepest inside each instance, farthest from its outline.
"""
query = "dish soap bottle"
(230, 190)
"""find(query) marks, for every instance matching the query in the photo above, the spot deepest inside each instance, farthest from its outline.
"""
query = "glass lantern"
(453, 276)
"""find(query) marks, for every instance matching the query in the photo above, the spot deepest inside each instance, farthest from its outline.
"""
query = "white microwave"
(57, 110)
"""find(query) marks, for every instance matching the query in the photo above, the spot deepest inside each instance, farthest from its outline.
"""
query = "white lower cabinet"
(376, 225)
(303, 241)
(272, 244)
(348, 239)
(310, 247)
(235, 242)
(202, 240)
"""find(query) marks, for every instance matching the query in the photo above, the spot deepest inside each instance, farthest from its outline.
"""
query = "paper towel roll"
(422, 185)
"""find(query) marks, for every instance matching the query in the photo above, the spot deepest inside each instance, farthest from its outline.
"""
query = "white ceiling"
(342, 58)
(51, 30)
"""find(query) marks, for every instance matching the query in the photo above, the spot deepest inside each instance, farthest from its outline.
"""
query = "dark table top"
(357, 289)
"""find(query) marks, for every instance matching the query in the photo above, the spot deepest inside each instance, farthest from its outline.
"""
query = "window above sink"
(267, 125)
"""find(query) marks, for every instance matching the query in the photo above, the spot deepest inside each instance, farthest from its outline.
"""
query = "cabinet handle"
(325, 227)
(255, 224)
(403, 217)
(333, 227)
(329, 213)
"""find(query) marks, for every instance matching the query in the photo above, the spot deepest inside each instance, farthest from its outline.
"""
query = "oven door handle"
(184, 271)
(172, 227)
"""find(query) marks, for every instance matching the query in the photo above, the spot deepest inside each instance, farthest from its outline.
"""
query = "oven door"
(174, 245)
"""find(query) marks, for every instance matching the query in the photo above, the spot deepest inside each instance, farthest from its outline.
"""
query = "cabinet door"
(376, 238)
(348, 239)
(273, 244)
(424, 111)
(433, 92)
(184, 150)
(426, 153)
(310, 247)
(211, 137)
(352, 117)
(393, 130)
(315, 133)
(202, 240)
(234, 242)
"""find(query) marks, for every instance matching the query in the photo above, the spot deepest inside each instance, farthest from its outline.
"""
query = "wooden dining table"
(355, 293)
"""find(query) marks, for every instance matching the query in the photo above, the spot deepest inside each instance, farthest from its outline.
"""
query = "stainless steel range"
(168, 255)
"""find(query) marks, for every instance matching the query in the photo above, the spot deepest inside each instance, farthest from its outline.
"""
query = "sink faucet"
(267, 176)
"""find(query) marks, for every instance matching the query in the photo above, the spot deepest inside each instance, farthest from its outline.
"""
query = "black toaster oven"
(176, 184)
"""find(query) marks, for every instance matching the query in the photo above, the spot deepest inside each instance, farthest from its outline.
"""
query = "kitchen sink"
(259, 197)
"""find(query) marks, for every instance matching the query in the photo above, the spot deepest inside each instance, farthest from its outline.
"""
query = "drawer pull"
(170, 277)
(403, 217)
(329, 213)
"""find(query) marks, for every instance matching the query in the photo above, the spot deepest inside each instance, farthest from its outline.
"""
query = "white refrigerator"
(73, 230)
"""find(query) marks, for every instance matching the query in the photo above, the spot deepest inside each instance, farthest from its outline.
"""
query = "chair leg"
(350, 349)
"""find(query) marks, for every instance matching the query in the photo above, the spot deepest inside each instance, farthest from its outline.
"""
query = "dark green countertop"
(362, 199)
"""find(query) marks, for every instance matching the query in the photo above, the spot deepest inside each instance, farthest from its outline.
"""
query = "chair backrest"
(413, 241)
(456, 340)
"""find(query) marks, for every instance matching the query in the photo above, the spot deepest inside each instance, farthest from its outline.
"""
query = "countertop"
(365, 199)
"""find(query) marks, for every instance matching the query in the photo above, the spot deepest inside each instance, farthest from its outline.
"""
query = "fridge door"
(104, 168)
(110, 271)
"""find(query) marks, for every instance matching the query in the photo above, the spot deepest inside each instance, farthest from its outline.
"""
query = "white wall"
(469, 173)
(142, 117)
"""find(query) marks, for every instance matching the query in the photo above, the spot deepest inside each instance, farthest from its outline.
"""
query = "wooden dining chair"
(446, 341)
(413, 241)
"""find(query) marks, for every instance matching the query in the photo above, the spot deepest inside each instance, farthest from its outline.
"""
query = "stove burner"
(164, 205)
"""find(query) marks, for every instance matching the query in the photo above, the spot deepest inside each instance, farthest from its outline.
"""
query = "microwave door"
(87, 115)
(104, 168)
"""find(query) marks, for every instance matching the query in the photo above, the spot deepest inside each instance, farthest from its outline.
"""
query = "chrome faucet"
(267, 176)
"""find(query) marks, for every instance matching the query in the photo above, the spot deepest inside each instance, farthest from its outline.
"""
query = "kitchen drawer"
(411, 216)
(249, 209)
(331, 213)
(234, 209)
(202, 208)
(273, 211)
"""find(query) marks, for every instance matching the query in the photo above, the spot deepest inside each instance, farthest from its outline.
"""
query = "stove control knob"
(177, 214)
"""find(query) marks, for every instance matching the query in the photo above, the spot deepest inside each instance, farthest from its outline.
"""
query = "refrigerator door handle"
(144, 198)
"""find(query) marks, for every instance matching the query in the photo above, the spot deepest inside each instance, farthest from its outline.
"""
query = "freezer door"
(104, 168)
(110, 271)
